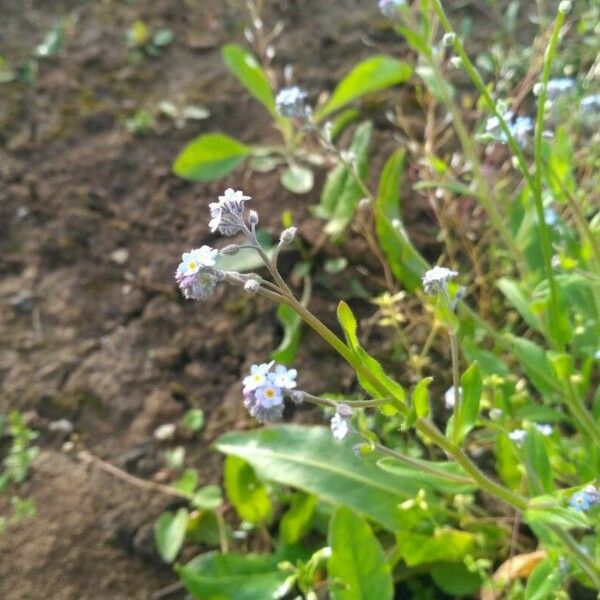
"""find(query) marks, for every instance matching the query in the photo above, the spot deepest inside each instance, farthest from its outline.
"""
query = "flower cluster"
(518, 435)
(264, 390)
(194, 275)
(227, 215)
(520, 128)
(559, 87)
(290, 102)
(436, 280)
(585, 499)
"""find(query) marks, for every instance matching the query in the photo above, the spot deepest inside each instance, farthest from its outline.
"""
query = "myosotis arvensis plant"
(266, 388)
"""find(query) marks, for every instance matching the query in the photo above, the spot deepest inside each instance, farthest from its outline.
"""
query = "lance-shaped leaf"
(406, 263)
(357, 567)
(371, 75)
(310, 459)
(247, 69)
(210, 156)
(471, 385)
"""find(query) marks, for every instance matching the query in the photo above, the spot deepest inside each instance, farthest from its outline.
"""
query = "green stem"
(455, 385)
(583, 560)
(423, 426)
(515, 148)
(555, 316)
(581, 415)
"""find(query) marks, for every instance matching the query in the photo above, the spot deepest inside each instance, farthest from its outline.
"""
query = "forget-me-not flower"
(585, 499)
(436, 280)
(290, 102)
(283, 377)
(257, 377)
(227, 215)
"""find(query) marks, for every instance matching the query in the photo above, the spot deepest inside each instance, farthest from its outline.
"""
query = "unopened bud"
(288, 235)
(252, 286)
(538, 88)
(230, 250)
(456, 62)
(565, 7)
(448, 39)
(253, 218)
(364, 204)
(297, 397)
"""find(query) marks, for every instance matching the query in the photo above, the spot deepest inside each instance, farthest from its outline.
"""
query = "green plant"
(407, 490)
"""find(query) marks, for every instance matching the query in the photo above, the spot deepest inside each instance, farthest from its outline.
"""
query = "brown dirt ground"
(112, 347)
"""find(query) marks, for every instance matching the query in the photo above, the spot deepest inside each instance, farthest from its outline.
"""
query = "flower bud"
(448, 39)
(565, 7)
(252, 286)
(288, 235)
(253, 218)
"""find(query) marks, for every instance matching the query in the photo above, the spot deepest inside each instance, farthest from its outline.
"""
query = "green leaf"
(246, 68)
(544, 580)
(208, 497)
(308, 458)
(537, 462)
(471, 384)
(515, 295)
(215, 576)
(422, 477)
(420, 397)
(349, 326)
(297, 179)
(507, 461)
(187, 482)
(449, 545)
(209, 157)
(341, 192)
(193, 419)
(371, 75)
(357, 568)
(546, 510)
(535, 364)
(406, 263)
(287, 349)
(298, 519)
(169, 533)
(246, 492)
(439, 87)
(455, 579)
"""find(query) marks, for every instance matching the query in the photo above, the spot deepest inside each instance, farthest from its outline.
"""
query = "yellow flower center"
(192, 265)
(269, 393)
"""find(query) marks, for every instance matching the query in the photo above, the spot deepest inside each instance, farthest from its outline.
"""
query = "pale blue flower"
(517, 435)
(264, 403)
(550, 217)
(559, 86)
(339, 426)
(520, 128)
(257, 378)
(196, 286)
(227, 215)
(389, 8)
(283, 378)
(544, 429)
(269, 395)
(449, 399)
(192, 262)
(585, 499)
(436, 280)
(591, 103)
(290, 102)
